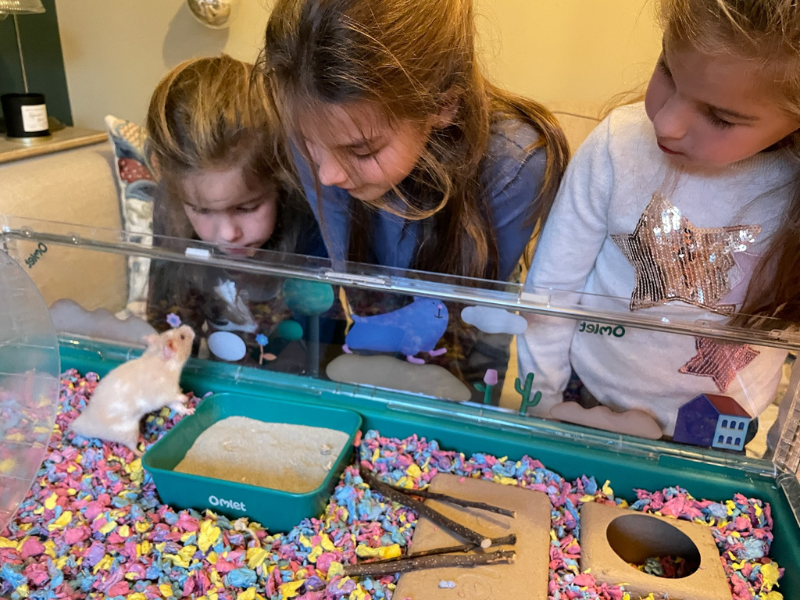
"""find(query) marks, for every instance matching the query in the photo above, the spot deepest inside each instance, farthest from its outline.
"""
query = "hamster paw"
(181, 408)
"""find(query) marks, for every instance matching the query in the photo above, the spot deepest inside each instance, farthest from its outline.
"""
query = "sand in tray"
(291, 458)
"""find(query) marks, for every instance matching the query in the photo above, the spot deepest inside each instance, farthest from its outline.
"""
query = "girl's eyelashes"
(244, 209)
(248, 208)
(367, 156)
(365, 152)
(718, 122)
(662, 66)
(197, 210)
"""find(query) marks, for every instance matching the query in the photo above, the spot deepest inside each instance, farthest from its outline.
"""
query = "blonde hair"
(213, 113)
(766, 31)
(411, 59)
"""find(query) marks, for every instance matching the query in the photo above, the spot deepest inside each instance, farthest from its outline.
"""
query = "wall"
(115, 52)
(44, 64)
(571, 54)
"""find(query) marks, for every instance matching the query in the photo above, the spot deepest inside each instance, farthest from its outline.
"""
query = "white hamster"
(138, 387)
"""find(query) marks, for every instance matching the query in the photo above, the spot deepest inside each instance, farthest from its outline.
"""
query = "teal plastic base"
(274, 509)
(629, 463)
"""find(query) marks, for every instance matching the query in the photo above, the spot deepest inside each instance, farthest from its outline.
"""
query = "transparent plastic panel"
(29, 383)
(668, 378)
(786, 433)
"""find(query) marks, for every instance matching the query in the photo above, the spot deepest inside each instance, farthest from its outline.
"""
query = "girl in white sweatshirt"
(685, 206)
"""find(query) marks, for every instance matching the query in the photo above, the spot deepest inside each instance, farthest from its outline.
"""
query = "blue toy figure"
(410, 330)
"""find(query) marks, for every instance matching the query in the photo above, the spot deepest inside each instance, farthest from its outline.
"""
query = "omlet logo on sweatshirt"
(214, 501)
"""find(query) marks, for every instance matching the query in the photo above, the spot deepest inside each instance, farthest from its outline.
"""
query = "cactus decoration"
(525, 392)
(489, 381)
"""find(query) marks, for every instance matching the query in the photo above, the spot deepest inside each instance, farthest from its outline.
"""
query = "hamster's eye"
(183, 337)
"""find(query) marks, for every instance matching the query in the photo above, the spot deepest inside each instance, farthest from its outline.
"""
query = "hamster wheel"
(29, 384)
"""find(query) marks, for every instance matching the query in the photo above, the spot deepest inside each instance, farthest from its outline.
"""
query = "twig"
(508, 540)
(430, 562)
(424, 510)
(453, 500)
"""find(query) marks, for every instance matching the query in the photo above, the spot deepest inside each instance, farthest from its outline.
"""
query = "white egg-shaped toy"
(227, 346)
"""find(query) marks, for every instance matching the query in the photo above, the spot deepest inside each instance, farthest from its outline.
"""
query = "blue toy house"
(711, 420)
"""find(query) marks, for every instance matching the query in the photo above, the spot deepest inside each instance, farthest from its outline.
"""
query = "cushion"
(70, 186)
(136, 182)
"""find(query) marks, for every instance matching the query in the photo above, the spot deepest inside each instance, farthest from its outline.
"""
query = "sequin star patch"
(719, 361)
(676, 261)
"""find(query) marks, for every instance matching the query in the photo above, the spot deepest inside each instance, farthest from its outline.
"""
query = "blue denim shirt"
(512, 175)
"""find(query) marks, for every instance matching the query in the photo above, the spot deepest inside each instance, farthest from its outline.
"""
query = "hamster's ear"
(169, 349)
(151, 340)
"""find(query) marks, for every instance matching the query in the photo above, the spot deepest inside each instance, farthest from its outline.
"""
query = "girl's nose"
(229, 230)
(671, 122)
(330, 171)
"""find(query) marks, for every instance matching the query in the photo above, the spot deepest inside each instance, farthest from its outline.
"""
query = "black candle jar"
(25, 115)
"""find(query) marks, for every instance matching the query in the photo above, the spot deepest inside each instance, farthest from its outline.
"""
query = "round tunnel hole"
(652, 545)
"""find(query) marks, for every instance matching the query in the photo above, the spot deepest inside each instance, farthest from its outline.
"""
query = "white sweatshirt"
(678, 269)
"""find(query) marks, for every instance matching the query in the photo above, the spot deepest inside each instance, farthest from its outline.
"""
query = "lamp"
(25, 114)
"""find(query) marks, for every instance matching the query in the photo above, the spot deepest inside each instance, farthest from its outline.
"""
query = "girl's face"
(713, 110)
(359, 150)
(225, 211)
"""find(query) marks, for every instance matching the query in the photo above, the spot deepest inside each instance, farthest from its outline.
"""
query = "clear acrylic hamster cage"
(436, 356)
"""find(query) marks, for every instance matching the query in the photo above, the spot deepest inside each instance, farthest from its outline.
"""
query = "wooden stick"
(508, 540)
(430, 562)
(453, 500)
(423, 509)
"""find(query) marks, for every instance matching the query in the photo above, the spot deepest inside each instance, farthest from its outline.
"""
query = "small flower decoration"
(490, 379)
(262, 341)
(173, 320)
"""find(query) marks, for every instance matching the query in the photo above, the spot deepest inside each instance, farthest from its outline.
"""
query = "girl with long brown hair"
(687, 206)
(409, 157)
(214, 139)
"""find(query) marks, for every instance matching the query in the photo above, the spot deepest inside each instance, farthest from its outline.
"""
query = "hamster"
(138, 387)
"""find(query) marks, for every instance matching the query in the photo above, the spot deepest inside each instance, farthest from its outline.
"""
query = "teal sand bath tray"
(270, 435)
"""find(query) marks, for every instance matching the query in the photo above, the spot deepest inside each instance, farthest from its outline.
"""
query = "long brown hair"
(213, 113)
(767, 31)
(410, 58)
